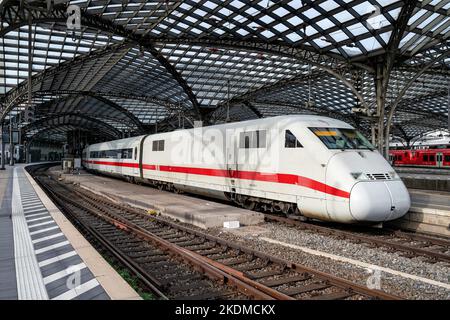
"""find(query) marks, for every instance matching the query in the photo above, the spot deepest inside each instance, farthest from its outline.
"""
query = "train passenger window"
(447, 158)
(247, 142)
(291, 141)
(158, 145)
(253, 139)
(432, 157)
(135, 153)
(425, 157)
(127, 153)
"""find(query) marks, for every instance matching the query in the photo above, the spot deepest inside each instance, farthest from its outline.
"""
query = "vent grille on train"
(379, 176)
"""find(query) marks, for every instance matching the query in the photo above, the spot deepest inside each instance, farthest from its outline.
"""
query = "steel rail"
(215, 272)
(338, 282)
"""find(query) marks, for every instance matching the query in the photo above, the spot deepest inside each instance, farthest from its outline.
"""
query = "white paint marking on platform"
(43, 230)
(53, 246)
(63, 273)
(73, 293)
(30, 284)
(358, 263)
(34, 210)
(42, 224)
(35, 215)
(57, 258)
(31, 205)
(29, 199)
(56, 235)
(30, 202)
(38, 219)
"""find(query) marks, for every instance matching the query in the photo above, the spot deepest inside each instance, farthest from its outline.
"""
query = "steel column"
(380, 87)
(11, 143)
(2, 143)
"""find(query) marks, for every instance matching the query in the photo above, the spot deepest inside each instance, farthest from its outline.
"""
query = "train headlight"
(359, 176)
(394, 175)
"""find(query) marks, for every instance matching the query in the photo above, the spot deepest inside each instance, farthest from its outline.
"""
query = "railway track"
(409, 245)
(179, 263)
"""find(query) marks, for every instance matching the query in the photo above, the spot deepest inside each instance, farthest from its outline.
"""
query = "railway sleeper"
(180, 277)
(331, 296)
(252, 267)
(278, 282)
(188, 285)
(264, 274)
(211, 295)
(146, 259)
(304, 289)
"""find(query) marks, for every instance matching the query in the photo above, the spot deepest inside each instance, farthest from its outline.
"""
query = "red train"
(429, 158)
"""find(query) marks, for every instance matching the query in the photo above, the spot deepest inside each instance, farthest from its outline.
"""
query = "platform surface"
(42, 256)
(430, 199)
(425, 178)
(185, 208)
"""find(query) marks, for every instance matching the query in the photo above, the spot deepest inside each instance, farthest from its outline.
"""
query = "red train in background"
(427, 158)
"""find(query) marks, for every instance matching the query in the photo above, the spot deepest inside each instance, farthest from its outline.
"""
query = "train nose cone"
(377, 201)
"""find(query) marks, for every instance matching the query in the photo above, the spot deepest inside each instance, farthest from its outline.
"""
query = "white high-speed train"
(314, 166)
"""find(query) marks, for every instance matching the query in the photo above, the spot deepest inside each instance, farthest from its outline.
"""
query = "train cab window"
(291, 141)
(158, 145)
(253, 139)
(342, 138)
(425, 157)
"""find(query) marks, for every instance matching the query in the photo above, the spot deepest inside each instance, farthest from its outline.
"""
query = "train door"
(439, 160)
(231, 162)
(135, 160)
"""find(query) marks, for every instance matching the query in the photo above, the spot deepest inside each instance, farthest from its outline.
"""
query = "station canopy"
(127, 67)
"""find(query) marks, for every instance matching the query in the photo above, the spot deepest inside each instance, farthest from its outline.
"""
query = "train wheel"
(249, 205)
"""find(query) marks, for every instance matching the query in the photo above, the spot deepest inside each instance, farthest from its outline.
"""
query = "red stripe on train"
(116, 164)
(244, 175)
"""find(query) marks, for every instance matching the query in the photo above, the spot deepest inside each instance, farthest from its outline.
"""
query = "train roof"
(304, 120)
(307, 120)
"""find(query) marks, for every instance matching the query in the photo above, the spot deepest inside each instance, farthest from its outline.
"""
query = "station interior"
(96, 202)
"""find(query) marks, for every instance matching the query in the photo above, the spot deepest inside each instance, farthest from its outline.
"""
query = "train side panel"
(426, 158)
(118, 157)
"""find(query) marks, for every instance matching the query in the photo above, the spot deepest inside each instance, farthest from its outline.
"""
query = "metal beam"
(66, 117)
(74, 94)
(399, 97)
(59, 15)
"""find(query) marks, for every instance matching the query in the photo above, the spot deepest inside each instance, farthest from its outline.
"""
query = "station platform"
(425, 179)
(429, 212)
(199, 212)
(42, 255)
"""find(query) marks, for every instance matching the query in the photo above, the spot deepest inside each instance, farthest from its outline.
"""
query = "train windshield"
(337, 138)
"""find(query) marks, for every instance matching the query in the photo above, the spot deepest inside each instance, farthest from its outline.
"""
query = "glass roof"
(138, 63)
